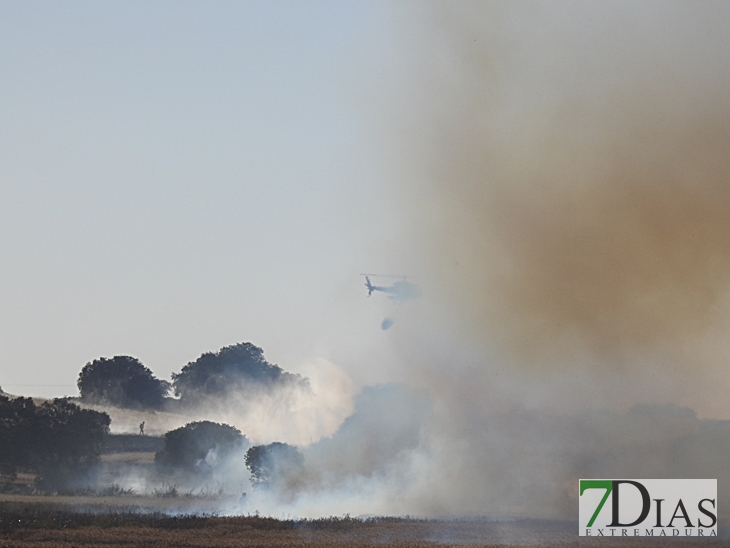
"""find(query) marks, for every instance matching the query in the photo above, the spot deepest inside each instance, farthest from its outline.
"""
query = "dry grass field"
(61, 526)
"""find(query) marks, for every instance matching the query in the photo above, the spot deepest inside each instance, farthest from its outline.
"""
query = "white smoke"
(564, 172)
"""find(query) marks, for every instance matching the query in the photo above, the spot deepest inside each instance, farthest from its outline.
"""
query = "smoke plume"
(563, 169)
(566, 170)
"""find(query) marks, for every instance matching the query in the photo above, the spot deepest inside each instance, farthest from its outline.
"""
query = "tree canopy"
(58, 440)
(272, 463)
(232, 368)
(17, 434)
(121, 381)
(198, 447)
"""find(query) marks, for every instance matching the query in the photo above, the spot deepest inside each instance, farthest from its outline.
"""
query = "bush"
(121, 381)
(198, 447)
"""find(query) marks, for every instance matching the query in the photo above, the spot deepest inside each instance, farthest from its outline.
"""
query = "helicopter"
(401, 291)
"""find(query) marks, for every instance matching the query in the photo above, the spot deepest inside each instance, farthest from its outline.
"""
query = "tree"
(17, 425)
(121, 381)
(272, 463)
(69, 441)
(198, 447)
(232, 368)
(57, 440)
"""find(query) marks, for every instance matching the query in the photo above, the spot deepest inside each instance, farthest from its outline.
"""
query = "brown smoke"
(564, 170)
(564, 173)
(574, 209)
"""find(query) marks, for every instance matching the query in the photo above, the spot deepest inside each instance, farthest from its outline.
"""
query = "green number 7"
(597, 484)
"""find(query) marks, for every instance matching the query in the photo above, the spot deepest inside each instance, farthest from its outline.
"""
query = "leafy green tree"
(121, 381)
(17, 437)
(57, 440)
(232, 368)
(272, 463)
(198, 447)
(68, 441)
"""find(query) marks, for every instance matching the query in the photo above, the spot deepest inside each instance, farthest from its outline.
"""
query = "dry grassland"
(129, 458)
(117, 504)
(56, 526)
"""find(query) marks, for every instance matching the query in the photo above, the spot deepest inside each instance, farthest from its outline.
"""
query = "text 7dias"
(647, 507)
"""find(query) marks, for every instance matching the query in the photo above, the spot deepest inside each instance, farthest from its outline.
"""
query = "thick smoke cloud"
(563, 170)
(566, 172)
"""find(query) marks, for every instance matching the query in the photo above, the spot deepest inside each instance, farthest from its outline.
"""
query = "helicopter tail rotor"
(369, 286)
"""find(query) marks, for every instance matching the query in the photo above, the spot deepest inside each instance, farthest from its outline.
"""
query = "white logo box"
(647, 507)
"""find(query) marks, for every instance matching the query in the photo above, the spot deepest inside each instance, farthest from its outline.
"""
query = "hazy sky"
(180, 176)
